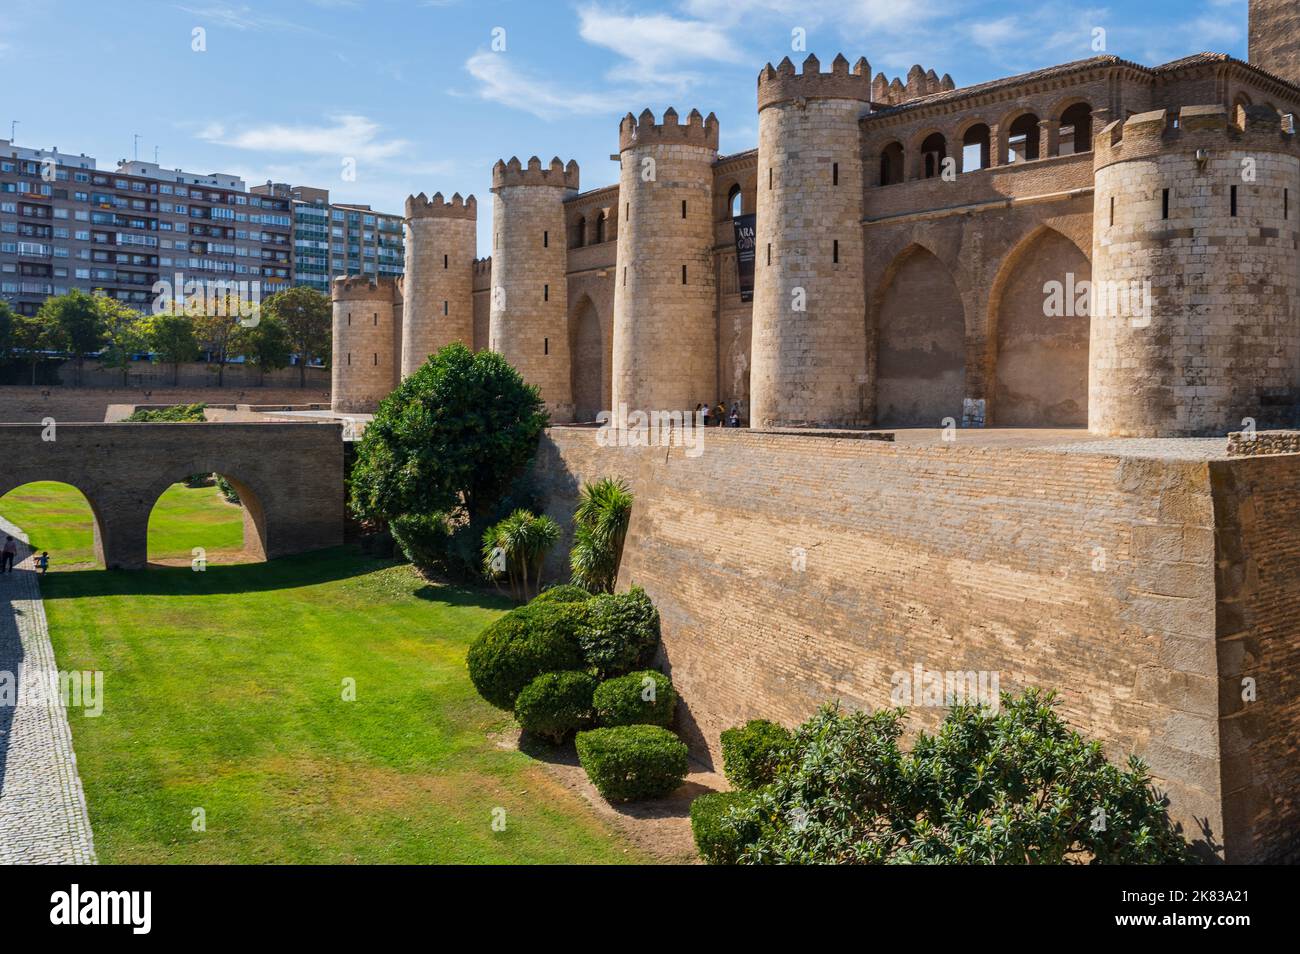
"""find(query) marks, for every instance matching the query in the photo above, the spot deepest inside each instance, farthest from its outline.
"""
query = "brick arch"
(252, 492)
(920, 341)
(1038, 362)
(14, 477)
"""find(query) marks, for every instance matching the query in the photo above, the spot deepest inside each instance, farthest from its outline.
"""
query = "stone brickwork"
(665, 292)
(529, 297)
(289, 478)
(1195, 255)
(1275, 37)
(365, 344)
(809, 364)
(1263, 443)
(794, 569)
(438, 304)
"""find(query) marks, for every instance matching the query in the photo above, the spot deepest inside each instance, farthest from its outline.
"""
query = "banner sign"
(745, 247)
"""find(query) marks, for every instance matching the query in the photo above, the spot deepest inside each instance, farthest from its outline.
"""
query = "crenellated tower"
(438, 306)
(809, 364)
(665, 353)
(1195, 321)
(363, 371)
(529, 310)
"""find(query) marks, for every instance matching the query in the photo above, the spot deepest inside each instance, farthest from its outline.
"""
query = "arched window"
(975, 148)
(580, 232)
(734, 201)
(1076, 129)
(600, 228)
(891, 164)
(933, 151)
(1022, 139)
(1239, 109)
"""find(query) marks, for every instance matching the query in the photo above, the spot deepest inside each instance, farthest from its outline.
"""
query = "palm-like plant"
(516, 547)
(599, 529)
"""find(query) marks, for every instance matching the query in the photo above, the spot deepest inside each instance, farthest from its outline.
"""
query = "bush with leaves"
(451, 439)
(717, 841)
(177, 413)
(639, 698)
(563, 593)
(516, 548)
(523, 644)
(599, 529)
(556, 704)
(1013, 787)
(752, 753)
(227, 490)
(622, 632)
(629, 762)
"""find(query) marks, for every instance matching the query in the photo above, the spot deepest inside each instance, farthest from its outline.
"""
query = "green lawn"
(223, 691)
(57, 518)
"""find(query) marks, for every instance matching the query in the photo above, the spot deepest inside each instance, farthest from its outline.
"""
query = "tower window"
(349, 319)
(769, 253)
(835, 251)
(546, 239)
(444, 308)
(683, 274)
(835, 173)
(1112, 210)
(627, 211)
(546, 293)
(1234, 202)
(769, 178)
(349, 359)
(444, 261)
(376, 359)
(683, 208)
(624, 274)
(1164, 204)
(546, 346)
(1286, 203)
(375, 320)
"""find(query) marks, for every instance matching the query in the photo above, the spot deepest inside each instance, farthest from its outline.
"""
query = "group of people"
(10, 551)
(719, 415)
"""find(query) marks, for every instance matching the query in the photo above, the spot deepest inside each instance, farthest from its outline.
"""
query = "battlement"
(420, 207)
(514, 173)
(920, 82)
(363, 288)
(483, 266)
(782, 84)
(1145, 135)
(643, 130)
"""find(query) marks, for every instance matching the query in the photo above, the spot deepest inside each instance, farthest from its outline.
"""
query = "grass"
(57, 518)
(224, 691)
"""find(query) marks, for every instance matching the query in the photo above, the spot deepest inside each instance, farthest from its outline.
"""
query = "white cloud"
(501, 82)
(242, 17)
(854, 18)
(993, 33)
(347, 135)
(655, 45)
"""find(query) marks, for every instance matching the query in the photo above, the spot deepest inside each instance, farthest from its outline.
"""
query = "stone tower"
(1195, 321)
(665, 354)
(438, 307)
(363, 371)
(530, 300)
(809, 364)
(1275, 37)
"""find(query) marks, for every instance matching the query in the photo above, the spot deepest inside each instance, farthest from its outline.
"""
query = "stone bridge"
(289, 477)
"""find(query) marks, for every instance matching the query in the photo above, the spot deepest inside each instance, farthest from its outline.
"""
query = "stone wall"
(27, 405)
(794, 569)
(438, 306)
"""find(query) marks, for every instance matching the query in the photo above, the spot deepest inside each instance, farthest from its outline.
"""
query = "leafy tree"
(306, 316)
(1015, 787)
(450, 439)
(265, 344)
(599, 528)
(517, 548)
(7, 316)
(33, 335)
(220, 333)
(123, 335)
(80, 320)
(171, 339)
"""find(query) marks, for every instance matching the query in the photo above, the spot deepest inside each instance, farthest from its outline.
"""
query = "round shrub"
(630, 762)
(522, 645)
(556, 703)
(719, 843)
(563, 593)
(752, 753)
(639, 698)
(622, 632)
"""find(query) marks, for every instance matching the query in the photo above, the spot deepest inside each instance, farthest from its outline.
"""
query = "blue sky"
(414, 92)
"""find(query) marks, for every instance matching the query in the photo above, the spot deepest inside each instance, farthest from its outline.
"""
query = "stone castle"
(909, 237)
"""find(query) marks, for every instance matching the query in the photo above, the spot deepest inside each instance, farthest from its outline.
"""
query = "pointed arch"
(1038, 333)
(920, 342)
(590, 368)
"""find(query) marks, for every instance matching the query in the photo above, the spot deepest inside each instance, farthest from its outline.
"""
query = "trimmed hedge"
(622, 701)
(564, 593)
(630, 762)
(556, 704)
(523, 644)
(622, 632)
(752, 753)
(719, 843)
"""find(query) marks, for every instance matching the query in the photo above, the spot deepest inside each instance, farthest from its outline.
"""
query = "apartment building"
(66, 224)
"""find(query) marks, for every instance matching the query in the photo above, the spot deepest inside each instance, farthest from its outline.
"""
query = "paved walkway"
(42, 807)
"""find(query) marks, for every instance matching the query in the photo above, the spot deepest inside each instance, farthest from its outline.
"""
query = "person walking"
(704, 415)
(720, 412)
(7, 555)
(43, 561)
(734, 419)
